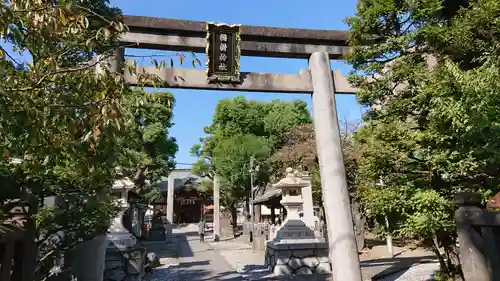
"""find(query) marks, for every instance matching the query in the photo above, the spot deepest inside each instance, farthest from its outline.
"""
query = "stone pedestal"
(125, 265)
(298, 258)
(295, 250)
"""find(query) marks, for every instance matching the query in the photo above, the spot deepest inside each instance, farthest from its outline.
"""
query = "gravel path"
(419, 272)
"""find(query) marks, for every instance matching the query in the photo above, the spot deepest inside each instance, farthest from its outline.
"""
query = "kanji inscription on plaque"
(223, 53)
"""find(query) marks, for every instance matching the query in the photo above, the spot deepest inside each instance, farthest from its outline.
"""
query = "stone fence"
(479, 239)
(16, 267)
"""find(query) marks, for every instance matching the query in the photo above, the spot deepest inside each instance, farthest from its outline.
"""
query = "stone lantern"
(295, 249)
(118, 236)
(124, 257)
(291, 190)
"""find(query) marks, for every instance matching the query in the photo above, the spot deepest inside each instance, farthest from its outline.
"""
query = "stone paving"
(195, 261)
(419, 272)
(375, 263)
(234, 260)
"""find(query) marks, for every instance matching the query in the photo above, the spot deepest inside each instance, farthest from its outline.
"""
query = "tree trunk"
(435, 248)
(359, 225)
(234, 218)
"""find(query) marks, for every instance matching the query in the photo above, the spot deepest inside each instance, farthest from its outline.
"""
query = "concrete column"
(217, 228)
(308, 205)
(115, 63)
(341, 238)
(170, 207)
(118, 62)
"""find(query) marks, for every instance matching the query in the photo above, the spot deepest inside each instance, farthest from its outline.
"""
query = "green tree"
(431, 127)
(59, 119)
(231, 160)
(65, 128)
(148, 151)
(240, 129)
(263, 119)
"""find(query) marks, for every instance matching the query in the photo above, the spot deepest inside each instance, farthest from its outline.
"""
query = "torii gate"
(319, 46)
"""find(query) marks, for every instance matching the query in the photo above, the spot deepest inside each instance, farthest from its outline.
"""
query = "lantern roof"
(293, 178)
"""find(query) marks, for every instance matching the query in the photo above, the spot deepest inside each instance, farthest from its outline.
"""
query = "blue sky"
(194, 108)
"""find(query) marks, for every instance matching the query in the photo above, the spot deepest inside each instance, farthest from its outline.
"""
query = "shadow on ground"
(179, 248)
(375, 269)
(182, 272)
(180, 225)
(187, 233)
(260, 272)
(378, 268)
(373, 242)
(162, 250)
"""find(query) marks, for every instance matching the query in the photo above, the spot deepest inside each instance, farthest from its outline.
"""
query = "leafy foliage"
(241, 129)
(148, 150)
(299, 151)
(64, 127)
(432, 126)
(60, 119)
(232, 162)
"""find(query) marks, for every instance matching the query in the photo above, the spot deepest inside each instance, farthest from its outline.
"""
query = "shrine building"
(189, 201)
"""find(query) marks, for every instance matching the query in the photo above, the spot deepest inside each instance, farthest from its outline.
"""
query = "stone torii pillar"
(341, 237)
(216, 196)
(170, 207)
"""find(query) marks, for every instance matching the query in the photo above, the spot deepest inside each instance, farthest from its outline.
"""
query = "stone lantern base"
(299, 258)
(295, 251)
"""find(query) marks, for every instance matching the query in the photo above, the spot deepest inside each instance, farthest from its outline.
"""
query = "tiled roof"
(266, 194)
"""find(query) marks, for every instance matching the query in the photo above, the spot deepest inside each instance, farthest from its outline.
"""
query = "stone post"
(217, 228)
(308, 205)
(88, 259)
(341, 238)
(170, 207)
(471, 248)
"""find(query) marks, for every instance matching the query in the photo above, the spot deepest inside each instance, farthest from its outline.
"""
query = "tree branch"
(67, 70)
(8, 55)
